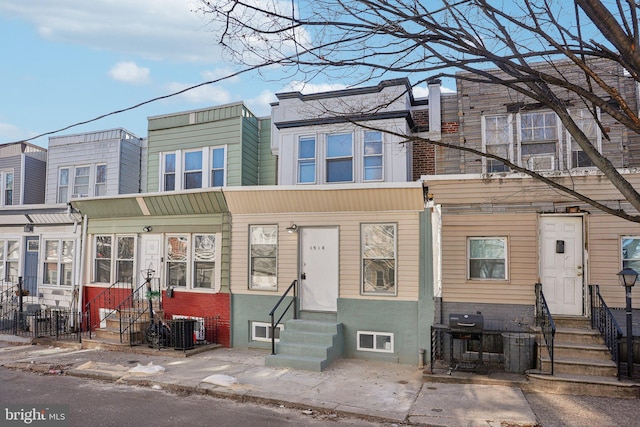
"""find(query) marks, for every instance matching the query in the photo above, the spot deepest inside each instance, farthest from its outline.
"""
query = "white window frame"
(374, 336)
(215, 278)
(206, 171)
(307, 160)
(364, 259)
(176, 170)
(214, 169)
(366, 156)
(555, 157)
(76, 185)
(200, 171)
(328, 159)
(8, 186)
(626, 261)
(252, 284)
(9, 264)
(63, 189)
(100, 184)
(486, 143)
(579, 122)
(114, 260)
(190, 262)
(59, 262)
(505, 241)
(254, 336)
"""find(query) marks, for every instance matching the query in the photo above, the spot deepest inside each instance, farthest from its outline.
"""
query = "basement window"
(261, 331)
(380, 342)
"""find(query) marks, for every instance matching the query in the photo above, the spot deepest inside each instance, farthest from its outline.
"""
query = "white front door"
(561, 263)
(151, 256)
(319, 268)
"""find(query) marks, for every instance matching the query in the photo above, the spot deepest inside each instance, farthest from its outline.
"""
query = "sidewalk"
(376, 391)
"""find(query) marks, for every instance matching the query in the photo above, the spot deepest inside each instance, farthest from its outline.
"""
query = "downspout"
(83, 252)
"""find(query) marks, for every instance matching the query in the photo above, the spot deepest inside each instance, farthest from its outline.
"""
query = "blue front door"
(30, 278)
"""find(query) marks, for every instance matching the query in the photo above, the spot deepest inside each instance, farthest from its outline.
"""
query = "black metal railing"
(603, 320)
(134, 312)
(545, 321)
(107, 300)
(294, 301)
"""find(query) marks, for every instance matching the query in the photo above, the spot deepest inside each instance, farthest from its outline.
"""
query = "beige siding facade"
(348, 224)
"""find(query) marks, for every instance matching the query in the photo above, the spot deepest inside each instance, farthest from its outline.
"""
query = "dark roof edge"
(346, 119)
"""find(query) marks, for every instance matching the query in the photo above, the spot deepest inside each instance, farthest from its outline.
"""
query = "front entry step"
(308, 345)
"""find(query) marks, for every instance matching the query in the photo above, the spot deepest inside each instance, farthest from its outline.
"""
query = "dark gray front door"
(30, 278)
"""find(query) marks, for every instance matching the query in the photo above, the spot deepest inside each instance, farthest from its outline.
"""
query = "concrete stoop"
(110, 334)
(582, 363)
(308, 345)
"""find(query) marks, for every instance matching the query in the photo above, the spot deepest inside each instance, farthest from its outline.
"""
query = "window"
(177, 248)
(307, 160)
(378, 258)
(263, 257)
(496, 140)
(124, 260)
(7, 185)
(102, 262)
(381, 342)
(631, 253)
(9, 256)
(169, 172)
(204, 260)
(339, 158)
(261, 331)
(487, 258)
(217, 167)
(587, 123)
(538, 140)
(81, 181)
(372, 156)
(193, 169)
(58, 262)
(63, 185)
(101, 180)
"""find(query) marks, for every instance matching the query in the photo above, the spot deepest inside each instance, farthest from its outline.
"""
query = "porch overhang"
(326, 198)
(38, 214)
(191, 202)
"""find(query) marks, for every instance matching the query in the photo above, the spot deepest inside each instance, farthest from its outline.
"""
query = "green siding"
(250, 141)
(266, 160)
(213, 223)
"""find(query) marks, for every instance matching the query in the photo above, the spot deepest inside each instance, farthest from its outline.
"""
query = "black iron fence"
(55, 323)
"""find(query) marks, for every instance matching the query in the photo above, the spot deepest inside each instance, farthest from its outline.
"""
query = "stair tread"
(580, 361)
(581, 346)
(298, 357)
(583, 331)
(584, 379)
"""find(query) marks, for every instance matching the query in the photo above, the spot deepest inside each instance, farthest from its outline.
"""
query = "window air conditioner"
(541, 163)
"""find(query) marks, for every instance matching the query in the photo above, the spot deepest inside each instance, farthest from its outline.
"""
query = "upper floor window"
(378, 258)
(81, 181)
(487, 258)
(181, 170)
(339, 158)
(539, 139)
(263, 257)
(101, 180)
(58, 262)
(217, 167)
(631, 253)
(169, 172)
(9, 257)
(587, 123)
(63, 185)
(373, 156)
(307, 160)
(497, 140)
(193, 169)
(7, 187)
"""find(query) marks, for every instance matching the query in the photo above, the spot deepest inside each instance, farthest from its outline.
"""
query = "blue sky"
(69, 61)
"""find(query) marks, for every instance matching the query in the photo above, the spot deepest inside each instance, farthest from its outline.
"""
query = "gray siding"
(35, 171)
(130, 165)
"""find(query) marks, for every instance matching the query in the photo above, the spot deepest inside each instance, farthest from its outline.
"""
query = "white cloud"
(160, 29)
(208, 94)
(220, 73)
(10, 132)
(129, 72)
(299, 86)
(423, 91)
(260, 104)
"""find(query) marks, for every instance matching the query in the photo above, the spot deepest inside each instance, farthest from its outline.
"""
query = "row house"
(178, 228)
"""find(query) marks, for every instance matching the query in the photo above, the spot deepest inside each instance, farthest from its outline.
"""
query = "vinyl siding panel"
(34, 181)
(521, 234)
(130, 165)
(267, 162)
(348, 224)
(250, 153)
(605, 257)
